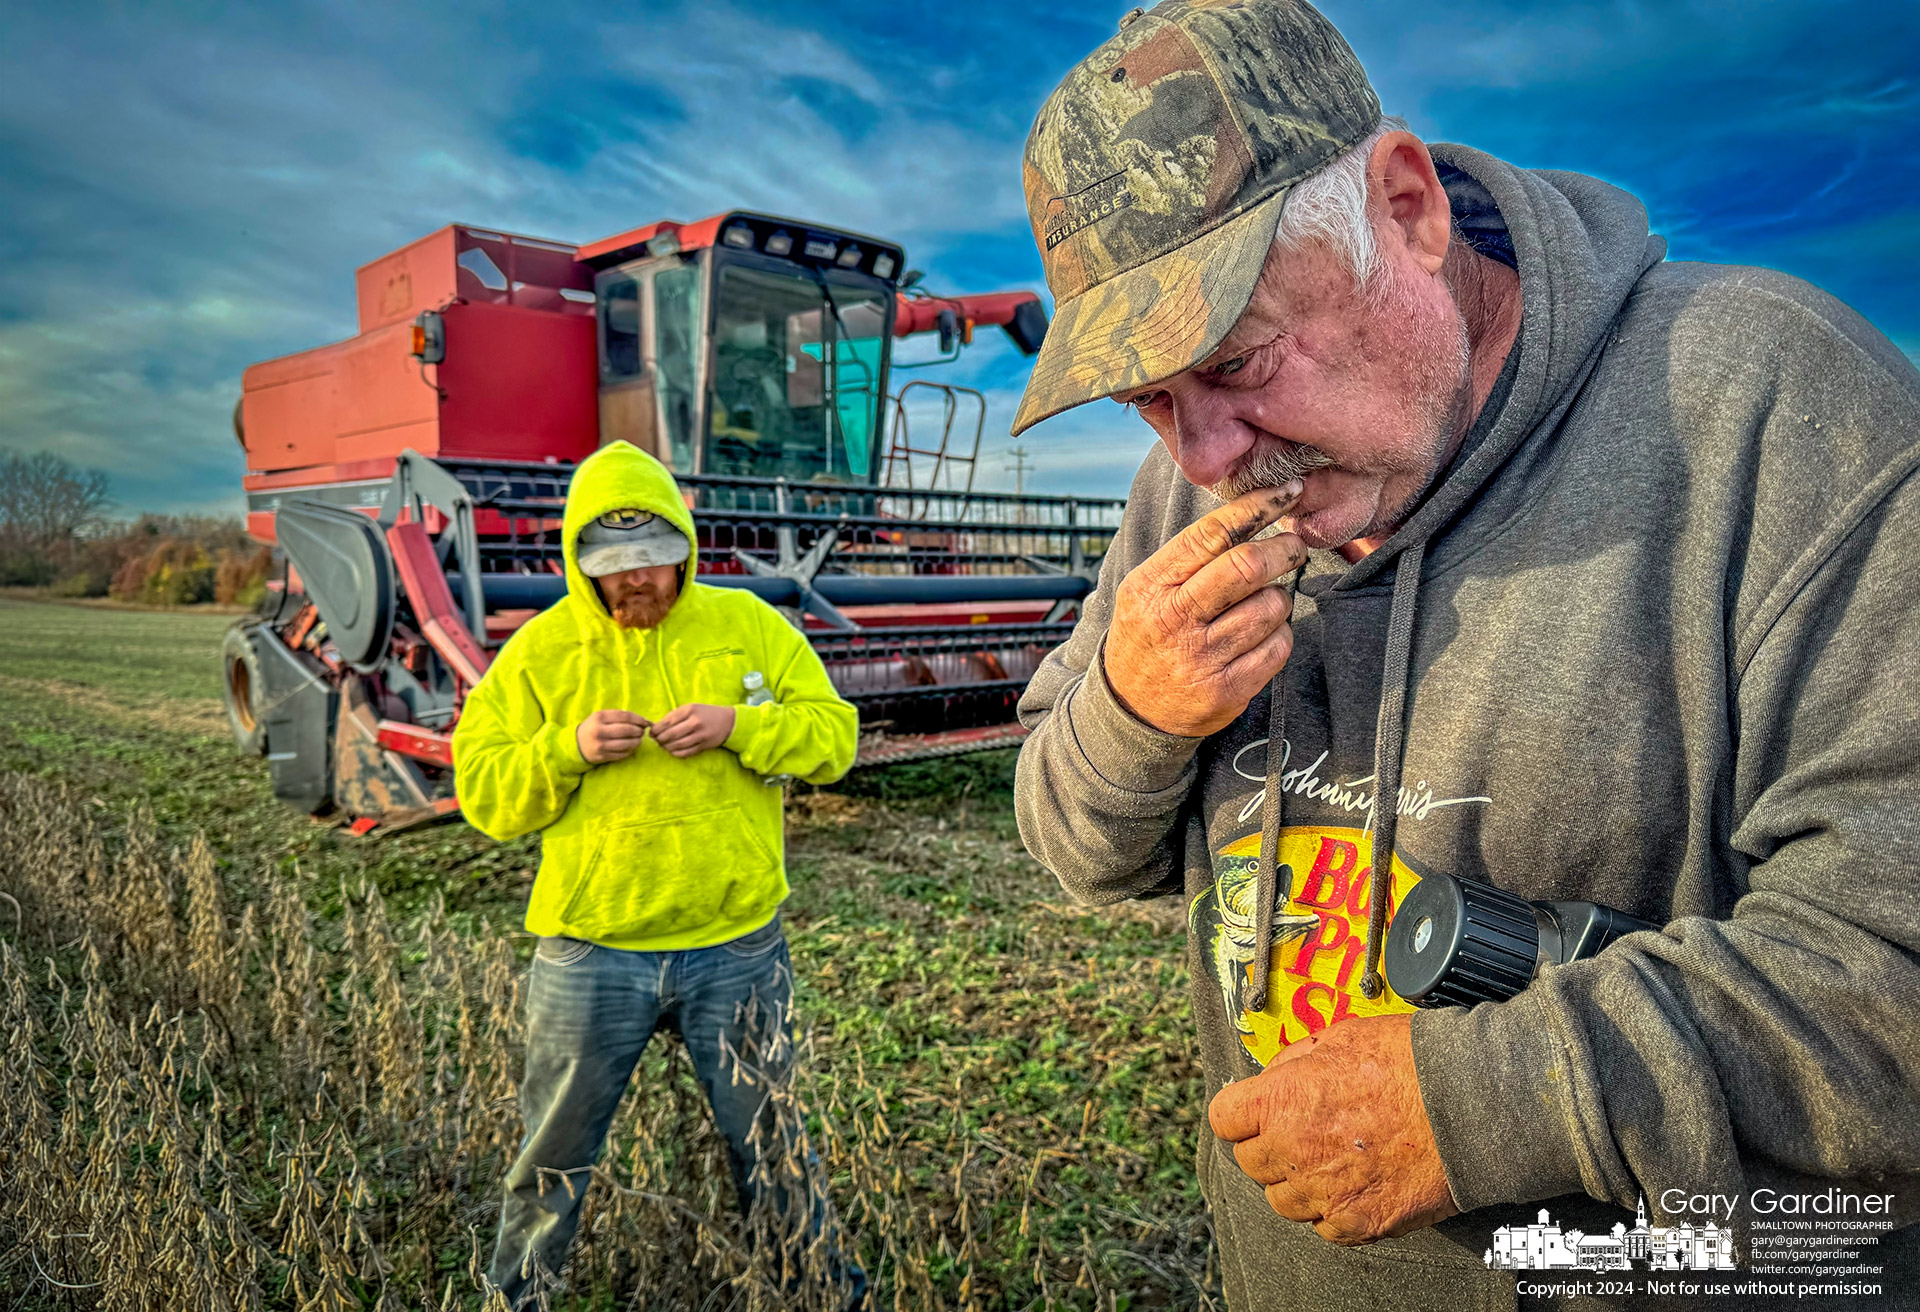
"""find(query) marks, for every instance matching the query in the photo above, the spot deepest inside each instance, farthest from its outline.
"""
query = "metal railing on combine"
(937, 457)
(922, 689)
(914, 680)
(879, 530)
(899, 530)
(529, 497)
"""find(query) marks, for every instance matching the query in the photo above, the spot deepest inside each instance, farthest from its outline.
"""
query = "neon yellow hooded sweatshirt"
(653, 852)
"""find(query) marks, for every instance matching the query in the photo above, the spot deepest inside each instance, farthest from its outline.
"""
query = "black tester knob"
(1455, 942)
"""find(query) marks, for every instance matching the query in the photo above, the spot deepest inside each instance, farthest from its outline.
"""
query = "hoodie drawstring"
(1388, 743)
(1266, 886)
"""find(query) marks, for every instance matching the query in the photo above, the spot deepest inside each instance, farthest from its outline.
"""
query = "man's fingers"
(1240, 573)
(678, 735)
(1238, 1111)
(1284, 1198)
(612, 718)
(1343, 1229)
(1218, 532)
(1254, 669)
(1249, 622)
(1262, 1160)
(684, 744)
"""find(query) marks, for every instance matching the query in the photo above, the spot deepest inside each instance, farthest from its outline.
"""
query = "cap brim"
(619, 557)
(1149, 323)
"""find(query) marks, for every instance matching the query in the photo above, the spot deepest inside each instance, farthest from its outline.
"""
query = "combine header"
(413, 477)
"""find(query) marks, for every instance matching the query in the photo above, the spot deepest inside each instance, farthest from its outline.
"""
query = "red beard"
(644, 606)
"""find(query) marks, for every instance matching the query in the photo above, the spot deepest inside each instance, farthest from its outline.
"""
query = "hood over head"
(620, 476)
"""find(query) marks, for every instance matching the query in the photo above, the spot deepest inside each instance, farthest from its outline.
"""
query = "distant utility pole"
(1018, 464)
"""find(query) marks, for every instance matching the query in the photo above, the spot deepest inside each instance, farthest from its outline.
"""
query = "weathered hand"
(694, 728)
(1198, 627)
(1336, 1131)
(610, 736)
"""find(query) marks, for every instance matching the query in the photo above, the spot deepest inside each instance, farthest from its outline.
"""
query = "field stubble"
(249, 1063)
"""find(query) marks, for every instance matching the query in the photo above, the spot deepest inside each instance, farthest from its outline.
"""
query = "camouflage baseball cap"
(1155, 174)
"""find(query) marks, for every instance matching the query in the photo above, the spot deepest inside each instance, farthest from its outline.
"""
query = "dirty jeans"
(590, 1012)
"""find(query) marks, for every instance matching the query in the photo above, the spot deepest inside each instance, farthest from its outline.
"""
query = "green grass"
(134, 656)
(934, 958)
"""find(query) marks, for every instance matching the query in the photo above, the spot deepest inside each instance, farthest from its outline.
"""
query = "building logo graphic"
(1543, 1246)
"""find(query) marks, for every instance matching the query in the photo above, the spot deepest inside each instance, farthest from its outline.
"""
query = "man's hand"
(1335, 1130)
(694, 728)
(1198, 629)
(610, 736)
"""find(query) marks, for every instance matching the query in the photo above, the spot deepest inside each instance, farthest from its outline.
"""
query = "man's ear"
(1403, 187)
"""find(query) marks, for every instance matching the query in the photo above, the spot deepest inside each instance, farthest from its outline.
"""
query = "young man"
(616, 724)
(1606, 593)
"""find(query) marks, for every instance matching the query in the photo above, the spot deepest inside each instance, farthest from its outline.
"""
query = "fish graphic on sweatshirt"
(1236, 933)
(1319, 934)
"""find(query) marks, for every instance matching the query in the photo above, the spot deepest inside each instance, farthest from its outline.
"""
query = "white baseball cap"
(621, 540)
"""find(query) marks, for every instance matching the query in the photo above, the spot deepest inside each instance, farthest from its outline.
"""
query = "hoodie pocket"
(654, 879)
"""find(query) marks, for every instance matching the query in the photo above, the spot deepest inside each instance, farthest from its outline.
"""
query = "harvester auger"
(412, 479)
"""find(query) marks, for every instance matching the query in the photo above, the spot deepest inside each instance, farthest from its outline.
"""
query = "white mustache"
(1272, 467)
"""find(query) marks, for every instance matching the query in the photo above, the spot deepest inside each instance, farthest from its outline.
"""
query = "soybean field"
(248, 1061)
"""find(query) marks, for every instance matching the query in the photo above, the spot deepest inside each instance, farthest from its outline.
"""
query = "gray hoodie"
(1660, 649)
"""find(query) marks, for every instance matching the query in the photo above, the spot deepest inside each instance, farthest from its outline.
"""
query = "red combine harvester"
(413, 477)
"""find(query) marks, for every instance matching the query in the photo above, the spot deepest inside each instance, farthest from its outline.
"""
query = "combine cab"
(413, 478)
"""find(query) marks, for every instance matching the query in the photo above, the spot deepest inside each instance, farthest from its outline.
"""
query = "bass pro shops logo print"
(1319, 934)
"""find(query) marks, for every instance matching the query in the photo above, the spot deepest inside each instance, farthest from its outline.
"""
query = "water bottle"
(758, 694)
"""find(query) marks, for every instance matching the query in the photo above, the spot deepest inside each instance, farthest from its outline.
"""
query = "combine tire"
(243, 690)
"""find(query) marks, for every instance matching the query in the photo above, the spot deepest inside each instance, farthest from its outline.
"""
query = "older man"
(1605, 584)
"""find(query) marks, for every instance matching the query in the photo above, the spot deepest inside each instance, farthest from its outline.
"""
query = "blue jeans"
(590, 1012)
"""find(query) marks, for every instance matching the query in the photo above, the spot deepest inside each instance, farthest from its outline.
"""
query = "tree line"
(57, 531)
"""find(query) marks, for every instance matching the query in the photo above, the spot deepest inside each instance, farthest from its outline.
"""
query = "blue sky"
(188, 188)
